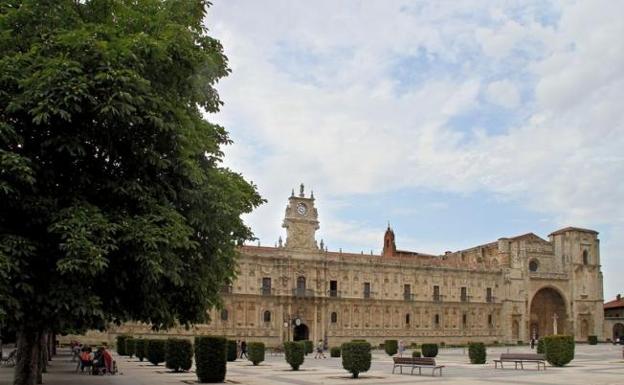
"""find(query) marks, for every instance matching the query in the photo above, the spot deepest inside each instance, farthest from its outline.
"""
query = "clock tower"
(301, 221)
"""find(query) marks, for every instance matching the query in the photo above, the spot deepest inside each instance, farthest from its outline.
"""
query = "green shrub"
(140, 347)
(429, 350)
(155, 351)
(520, 342)
(178, 354)
(210, 358)
(477, 352)
(391, 347)
(559, 349)
(413, 345)
(592, 340)
(232, 350)
(130, 346)
(334, 352)
(356, 357)
(540, 346)
(121, 344)
(442, 344)
(294, 353)
(416, 354)
(358, 340)
(255, 352)
(309, 346)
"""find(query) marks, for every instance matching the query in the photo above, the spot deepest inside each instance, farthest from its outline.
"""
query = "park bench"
(521, 358)
(417, 362)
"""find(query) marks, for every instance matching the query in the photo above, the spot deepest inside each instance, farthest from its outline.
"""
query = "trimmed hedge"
(232, 350)
(130, 346)
(334, 352)
(155, 351)
(309, 346)
(140, 347)
(121, 344)
(477, 352)
(592, 340)
(540, 346)
(416, 354)
(294, 353)
(255, 351)
(429, 350)
(178, 354)
(356, 357)
(559, 349)
(210, 358)
(391, 347)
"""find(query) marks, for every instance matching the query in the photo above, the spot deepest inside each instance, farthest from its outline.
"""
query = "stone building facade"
(506, 291)
(614, 319)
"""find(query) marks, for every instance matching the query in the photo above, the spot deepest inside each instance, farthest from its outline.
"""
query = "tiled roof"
(566, 229)
(615, 304)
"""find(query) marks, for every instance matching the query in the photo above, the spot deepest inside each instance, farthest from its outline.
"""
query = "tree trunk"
(27, 358)
(43, 357)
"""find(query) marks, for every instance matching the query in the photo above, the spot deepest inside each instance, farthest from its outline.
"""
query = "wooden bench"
(521, 358)
(417, 362)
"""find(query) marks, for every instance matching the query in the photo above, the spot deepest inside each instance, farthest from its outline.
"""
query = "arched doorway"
(618, 331)
(301, 332)
(548, 307)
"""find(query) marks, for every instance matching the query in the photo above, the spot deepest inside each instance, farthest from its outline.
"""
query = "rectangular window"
(436, 320)
(266, 286)
(463, 295)
(407, 292)
(333, 288)
(436, 293)
(490, 323)
(367, 290)
(464, 319)
(488, 295)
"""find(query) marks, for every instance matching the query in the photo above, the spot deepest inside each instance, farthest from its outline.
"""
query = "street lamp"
(287, 326)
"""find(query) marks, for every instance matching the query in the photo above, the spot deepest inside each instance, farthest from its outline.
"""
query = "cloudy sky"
(458, 121)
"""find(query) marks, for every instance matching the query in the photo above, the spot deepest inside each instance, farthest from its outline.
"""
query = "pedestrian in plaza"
(319, 350)
(243, 349)
(401, 348)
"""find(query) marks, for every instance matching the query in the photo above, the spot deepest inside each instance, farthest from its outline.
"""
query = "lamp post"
(287, 326)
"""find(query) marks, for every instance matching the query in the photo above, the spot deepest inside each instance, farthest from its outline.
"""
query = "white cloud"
(336, 120)
(503, 93)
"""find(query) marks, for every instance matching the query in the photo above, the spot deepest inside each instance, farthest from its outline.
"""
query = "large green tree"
(114, 204)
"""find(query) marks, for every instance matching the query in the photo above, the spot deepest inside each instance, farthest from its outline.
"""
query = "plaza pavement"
(593, 365)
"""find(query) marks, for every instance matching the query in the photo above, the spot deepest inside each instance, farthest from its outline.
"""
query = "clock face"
(302, 209)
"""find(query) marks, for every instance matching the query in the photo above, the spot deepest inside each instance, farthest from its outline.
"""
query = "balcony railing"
(334, 293)
(464, 298)
(302, 293)
(408, 296)
(369, 294)
(226, 289)
(266, 291)
(437, 297)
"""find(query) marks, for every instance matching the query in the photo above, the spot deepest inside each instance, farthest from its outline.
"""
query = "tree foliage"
(114, 205)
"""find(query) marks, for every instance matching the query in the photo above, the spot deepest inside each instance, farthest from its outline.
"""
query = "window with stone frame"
(224, 315)
(266, 316)
(334, 317)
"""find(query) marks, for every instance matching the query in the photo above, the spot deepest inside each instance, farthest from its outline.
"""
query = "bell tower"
(301, 221)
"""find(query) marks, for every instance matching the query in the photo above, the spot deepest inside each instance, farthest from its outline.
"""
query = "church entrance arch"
(547, 309)
(618, 331)
(301, 333)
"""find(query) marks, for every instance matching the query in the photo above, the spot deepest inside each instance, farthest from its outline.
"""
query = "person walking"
(243, 349)
(401, 348)
(319, 350)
